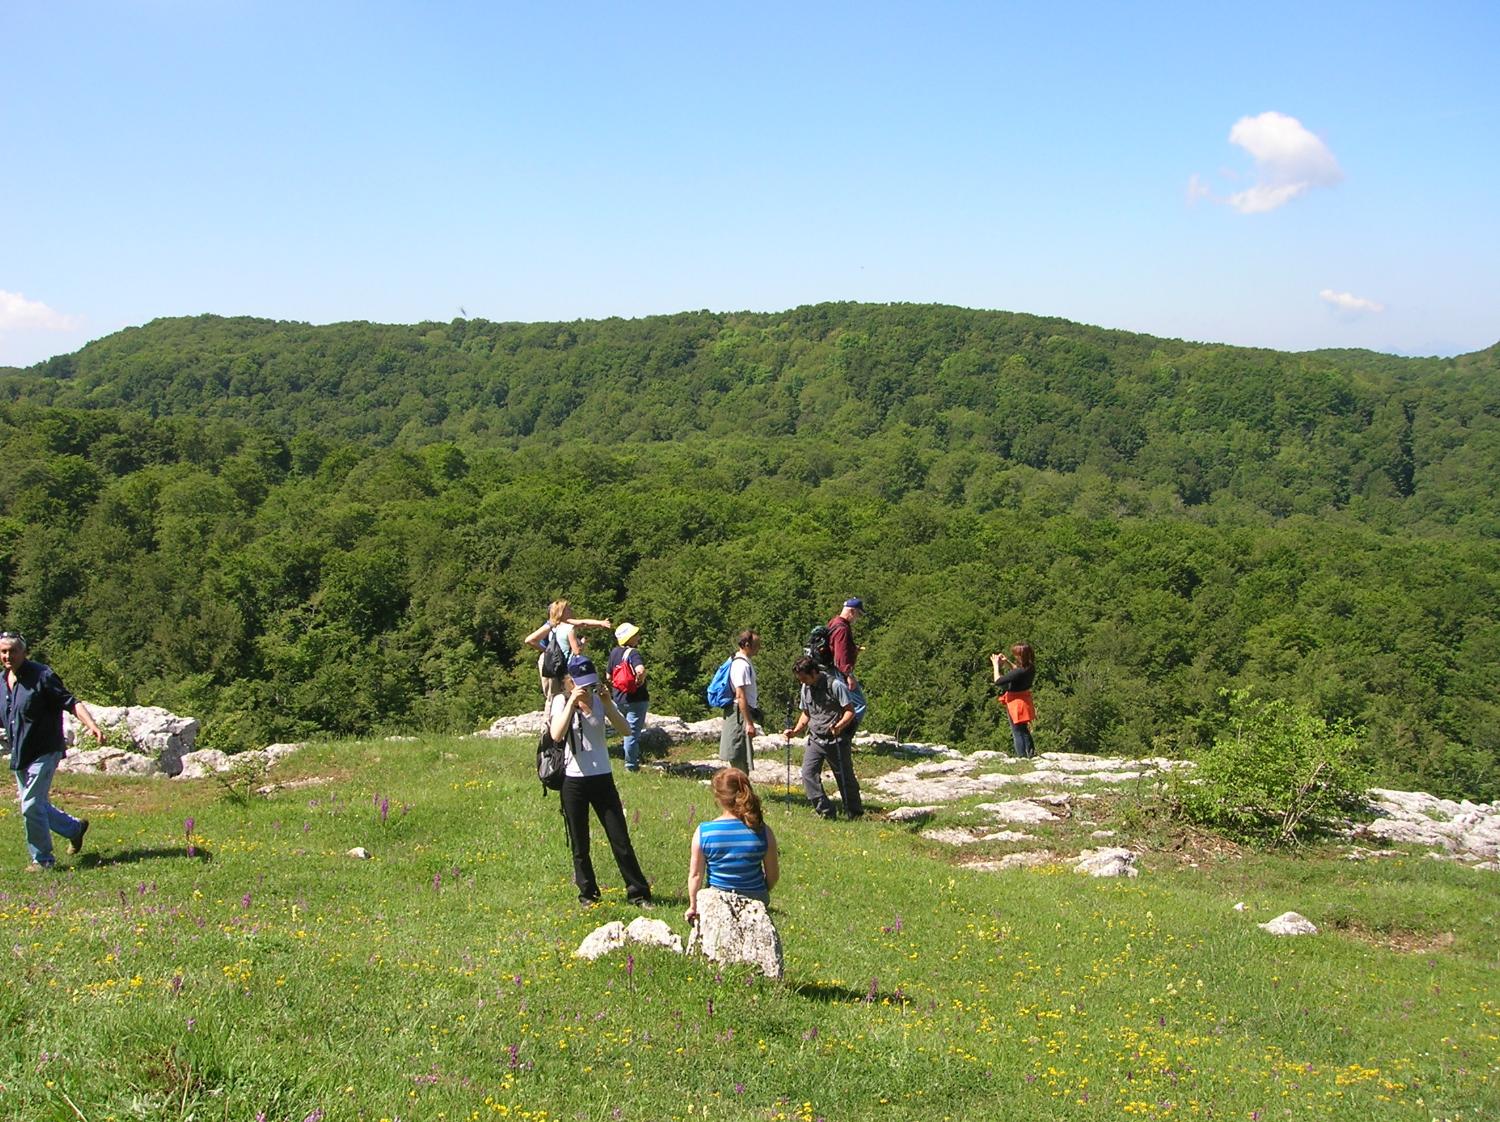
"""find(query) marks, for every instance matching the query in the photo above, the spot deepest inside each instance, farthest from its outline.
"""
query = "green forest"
(286, 530)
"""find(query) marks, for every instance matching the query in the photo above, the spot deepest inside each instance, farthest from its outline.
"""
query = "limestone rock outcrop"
(733, 928)
(163, 738)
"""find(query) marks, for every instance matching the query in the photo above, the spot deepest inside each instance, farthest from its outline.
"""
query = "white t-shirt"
(742, 673)
(586, 753)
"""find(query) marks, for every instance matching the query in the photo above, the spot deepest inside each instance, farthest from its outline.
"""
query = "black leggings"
(599, 792)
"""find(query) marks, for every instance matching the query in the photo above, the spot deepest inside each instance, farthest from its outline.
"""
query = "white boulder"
(1107, 862)
(1289, 923)
(733, 928)
(161, 736)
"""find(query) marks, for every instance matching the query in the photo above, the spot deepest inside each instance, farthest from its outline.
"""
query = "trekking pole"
(788, 741)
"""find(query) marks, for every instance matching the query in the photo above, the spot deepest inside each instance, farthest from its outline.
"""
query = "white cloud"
(1349, 303)
(1289, 161)
(20, 314)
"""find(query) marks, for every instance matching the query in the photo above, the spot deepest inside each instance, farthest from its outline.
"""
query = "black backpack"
(820, 646)
(551, 760)
(554, 659)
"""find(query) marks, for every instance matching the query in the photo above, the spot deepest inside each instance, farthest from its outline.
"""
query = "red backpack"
(622, 677)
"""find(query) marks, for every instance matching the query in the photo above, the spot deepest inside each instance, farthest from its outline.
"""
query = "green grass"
(271, 974)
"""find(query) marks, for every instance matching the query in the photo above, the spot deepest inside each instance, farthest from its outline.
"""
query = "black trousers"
(599, 792)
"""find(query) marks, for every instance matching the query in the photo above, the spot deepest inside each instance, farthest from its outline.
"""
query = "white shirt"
(586, 753)
(742, 674)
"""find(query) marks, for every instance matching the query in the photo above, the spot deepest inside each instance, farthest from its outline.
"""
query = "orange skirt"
(1018, 705)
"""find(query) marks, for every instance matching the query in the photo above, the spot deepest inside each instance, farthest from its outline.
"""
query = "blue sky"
(1290, 176)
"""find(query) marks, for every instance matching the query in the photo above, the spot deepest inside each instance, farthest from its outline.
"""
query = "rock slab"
(163, 738)
(1289, 923)
(733, 928)
(614, 935)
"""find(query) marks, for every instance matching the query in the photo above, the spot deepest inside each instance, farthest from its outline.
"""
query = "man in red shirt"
(846, 653)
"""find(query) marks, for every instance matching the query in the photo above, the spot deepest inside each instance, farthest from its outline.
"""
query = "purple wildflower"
(385, 810)
(437, 881)
(245, 900)
(315, 1116)
(873, 992)
(515, 1053)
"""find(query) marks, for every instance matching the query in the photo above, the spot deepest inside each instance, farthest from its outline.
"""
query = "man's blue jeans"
(634, 713)
(42, 819)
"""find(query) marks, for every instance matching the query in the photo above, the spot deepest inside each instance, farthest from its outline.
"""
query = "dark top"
(824, 702)
(845, 649)
(615, 657)
(1015, 681)
(31, 712)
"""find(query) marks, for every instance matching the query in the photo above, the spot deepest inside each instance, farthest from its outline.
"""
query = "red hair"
(732, 789)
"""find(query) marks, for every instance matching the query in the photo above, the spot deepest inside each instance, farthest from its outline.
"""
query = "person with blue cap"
(846, 654)
(576, 716)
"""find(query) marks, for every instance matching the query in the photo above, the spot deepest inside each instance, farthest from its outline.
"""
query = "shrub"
(1276, 775)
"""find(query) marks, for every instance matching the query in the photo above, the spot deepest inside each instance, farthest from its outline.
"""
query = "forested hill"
(283, 528)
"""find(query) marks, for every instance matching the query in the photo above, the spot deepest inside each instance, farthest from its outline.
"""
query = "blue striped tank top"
(734, 853)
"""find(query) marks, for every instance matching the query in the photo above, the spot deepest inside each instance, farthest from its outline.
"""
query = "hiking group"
(573, 758)
(831, 704)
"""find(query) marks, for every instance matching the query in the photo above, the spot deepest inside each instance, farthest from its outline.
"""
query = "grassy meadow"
(209, 957)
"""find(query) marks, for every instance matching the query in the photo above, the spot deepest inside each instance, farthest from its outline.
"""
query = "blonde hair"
(732, 789)
(557, 611)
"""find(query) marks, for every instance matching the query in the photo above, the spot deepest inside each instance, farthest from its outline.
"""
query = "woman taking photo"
(576, 717)
(737, 850)
(1015, 692)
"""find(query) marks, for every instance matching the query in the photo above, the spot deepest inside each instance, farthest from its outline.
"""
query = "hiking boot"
(75, 845)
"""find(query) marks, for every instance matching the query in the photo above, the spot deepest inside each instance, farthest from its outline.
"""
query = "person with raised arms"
(1014, 686)
(560, 632)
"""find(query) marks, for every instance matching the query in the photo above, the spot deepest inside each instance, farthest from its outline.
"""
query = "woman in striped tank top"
(737, 850)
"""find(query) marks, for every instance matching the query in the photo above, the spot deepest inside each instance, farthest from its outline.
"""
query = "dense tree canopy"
(283, 528)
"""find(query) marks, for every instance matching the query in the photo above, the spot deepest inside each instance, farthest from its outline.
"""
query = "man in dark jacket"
(846, 653)
(31, 709)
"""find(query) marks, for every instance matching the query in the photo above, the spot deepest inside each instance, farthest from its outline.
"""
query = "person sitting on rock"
(737, 850)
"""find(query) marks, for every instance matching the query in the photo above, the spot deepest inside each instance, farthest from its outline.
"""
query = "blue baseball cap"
(581, 670)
